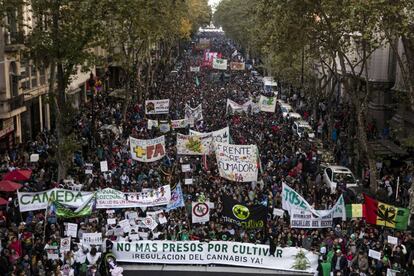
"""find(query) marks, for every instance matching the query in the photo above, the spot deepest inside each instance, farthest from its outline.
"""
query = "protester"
(284, 159)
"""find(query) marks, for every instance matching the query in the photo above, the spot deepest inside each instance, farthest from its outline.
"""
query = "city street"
(201, 137)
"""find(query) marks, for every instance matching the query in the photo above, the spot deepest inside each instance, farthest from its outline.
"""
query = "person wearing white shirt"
(93, 256)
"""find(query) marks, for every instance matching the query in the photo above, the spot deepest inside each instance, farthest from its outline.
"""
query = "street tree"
(63, 33)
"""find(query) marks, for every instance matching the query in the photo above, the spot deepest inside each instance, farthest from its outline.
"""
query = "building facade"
(24, 105)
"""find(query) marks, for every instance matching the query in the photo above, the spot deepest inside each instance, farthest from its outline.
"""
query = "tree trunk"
(360, 110)
(128, 95)
(363, 141)
(408, 45)
(59, 103)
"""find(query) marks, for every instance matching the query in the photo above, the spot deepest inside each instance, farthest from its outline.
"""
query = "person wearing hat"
(339, 263)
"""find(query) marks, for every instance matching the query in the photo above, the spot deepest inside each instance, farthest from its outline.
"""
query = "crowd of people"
(27, 238)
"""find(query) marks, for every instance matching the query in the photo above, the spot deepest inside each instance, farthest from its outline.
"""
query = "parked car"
(300, 127)
(332, 175)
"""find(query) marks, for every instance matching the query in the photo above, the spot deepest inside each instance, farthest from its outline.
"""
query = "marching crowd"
(27, 238)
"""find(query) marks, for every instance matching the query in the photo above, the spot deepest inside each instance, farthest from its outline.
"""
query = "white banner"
(40, 200)
(220, 64)
(157, 106)
(200, 212)
(195, 69)
(193, 144)
(292, 200)
(91, 238)
(220, 136)
(248, 106)
(183, 123)
(267, 104)
(237, 162)
(306, 219)
(220, 253)
(147, 150)
(193, 114)
(110, 198)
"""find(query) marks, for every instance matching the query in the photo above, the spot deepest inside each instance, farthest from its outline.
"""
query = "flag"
(197, 82)
(246, 216)
(380, 213)
(353, 210)
(177, 199)
(83, 211)
(205, 165)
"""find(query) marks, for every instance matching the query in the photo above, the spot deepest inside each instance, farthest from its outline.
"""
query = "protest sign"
(220, 136)
(183, 123)
(64, 244)
(278, 212)
(177, 199)
(392, 240)
(152, 123)
(248, 217)
(186, 168)
(267, 104)
(104, 166)
(220, 253)
(200, 212)
(193, 144)
(149, 150)
(300, 218)
(40, 200)
(92, 238)
(157, 106)
(195, 69)
(237, 66)
(237, 162)
(188, 181)
(72, 230)
(234, 107)
(111, 221)
(150, 222)
(374, 254)
(164, 126)
(125, 225)
(220, 64)
(52, 256)
(34, 157)
(131, 215)
(193, 115)
(110, 198)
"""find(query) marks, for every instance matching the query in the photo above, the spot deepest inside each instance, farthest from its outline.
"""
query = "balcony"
(12, 107)
(14, 41)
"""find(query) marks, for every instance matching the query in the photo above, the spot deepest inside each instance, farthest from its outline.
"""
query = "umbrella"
(18, 175)
(3, 201)
(9, 186)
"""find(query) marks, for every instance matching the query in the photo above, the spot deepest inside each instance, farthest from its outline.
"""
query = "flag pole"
(44, 227)
(397, 190)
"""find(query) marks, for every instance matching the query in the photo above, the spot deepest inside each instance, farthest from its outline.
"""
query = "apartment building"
(24, 107)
